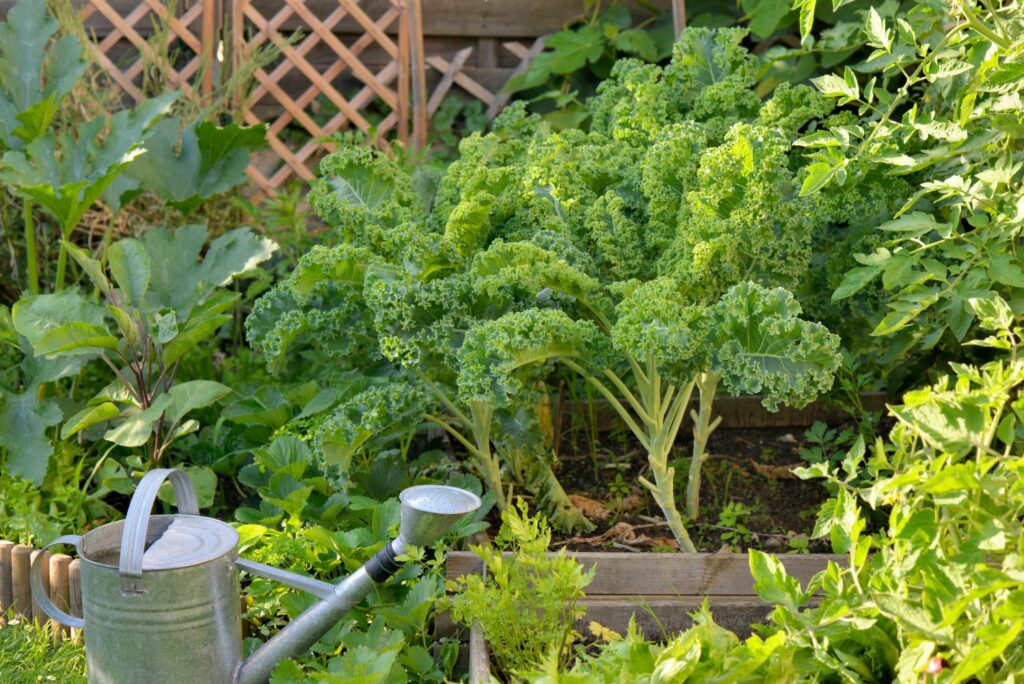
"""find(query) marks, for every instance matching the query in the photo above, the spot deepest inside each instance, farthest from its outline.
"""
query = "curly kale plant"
(644, 254)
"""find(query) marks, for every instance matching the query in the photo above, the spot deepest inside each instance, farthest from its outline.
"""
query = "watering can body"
(161, 595)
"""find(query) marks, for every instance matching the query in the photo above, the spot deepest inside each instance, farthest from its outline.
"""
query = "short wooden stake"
(21, 562)
(6, 592)
(75, 592)
(38, 614)
(60, 588)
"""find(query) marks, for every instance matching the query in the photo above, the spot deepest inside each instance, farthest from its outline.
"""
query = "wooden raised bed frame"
(662, 589)
(659, 589)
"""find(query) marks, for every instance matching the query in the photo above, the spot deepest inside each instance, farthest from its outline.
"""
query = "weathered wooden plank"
(655, 617)
(491, 19)
(667, 574)
(479, 656)
(75, 588)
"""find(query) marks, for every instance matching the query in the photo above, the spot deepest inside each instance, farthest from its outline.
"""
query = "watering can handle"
(39, 594)
(136, 523)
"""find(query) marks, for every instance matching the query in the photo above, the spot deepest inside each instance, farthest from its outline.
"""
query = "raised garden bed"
(659, 590)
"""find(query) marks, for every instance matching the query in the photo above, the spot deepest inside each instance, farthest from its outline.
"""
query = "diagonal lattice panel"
(128, 45)
(330, 73)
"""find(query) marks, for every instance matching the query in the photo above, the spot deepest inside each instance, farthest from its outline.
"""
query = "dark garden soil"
(749, 469)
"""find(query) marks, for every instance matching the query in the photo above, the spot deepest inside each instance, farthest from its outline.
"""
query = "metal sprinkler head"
(428, 511)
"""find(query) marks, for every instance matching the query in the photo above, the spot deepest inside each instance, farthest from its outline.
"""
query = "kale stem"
(703, 426)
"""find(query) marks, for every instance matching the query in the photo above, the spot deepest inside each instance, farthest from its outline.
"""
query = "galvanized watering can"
(160, 593)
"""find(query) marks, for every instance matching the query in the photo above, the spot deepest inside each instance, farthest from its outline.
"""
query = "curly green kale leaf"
(419, 322)
(500, 359)
(792, 106)
(711, 76)
(744, 221)
(377, 414)
(759, 344)
(320, 305)
(512, 272)
(361, 193)
(658, 321)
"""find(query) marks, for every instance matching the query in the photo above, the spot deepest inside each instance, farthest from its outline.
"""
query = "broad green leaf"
(204, 481)
(819, 174)
(806, 8)
(914, 224)
(89, 416)
(192, 395)
(876, 31)
(232, 253)
(571, 50)
(772, 583)
(766, 15)
(185, 165)
(173, 263)
(197, 331)
(23, 423)
(180, 281)
(37, 315)
(855, 280)
(836, 86)
(127, 325)
(138, 424)
(166, 328)
(129, 264)
(993, 641)
(77, 337)
(949, 424)
(33, 80)
(639, 43)
(67, 184)
(1005, 269)
(993, 312)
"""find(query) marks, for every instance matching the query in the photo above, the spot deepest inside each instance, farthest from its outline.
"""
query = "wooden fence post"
(21, 562)
(6, 593)
(75, 592)
(38, 614)
(60, 588)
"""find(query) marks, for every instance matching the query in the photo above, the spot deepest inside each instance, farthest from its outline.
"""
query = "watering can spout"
(428, 512)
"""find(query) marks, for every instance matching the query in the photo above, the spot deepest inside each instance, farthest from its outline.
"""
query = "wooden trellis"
(453, 74)
(322, 44)
(387, 88)
(124, 50)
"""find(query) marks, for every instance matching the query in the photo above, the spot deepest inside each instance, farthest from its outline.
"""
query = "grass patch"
(29, 653)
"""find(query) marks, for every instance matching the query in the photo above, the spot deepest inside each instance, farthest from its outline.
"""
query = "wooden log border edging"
(60, 577)
(660, 590)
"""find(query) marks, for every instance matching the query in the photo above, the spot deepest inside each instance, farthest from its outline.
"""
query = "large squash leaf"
(66, 184)
(187, 165)
(23, 423)
(30, 92)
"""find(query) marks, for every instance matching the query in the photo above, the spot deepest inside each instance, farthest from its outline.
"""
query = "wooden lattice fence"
(379, 66)
(128, 43)
(320, 84)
